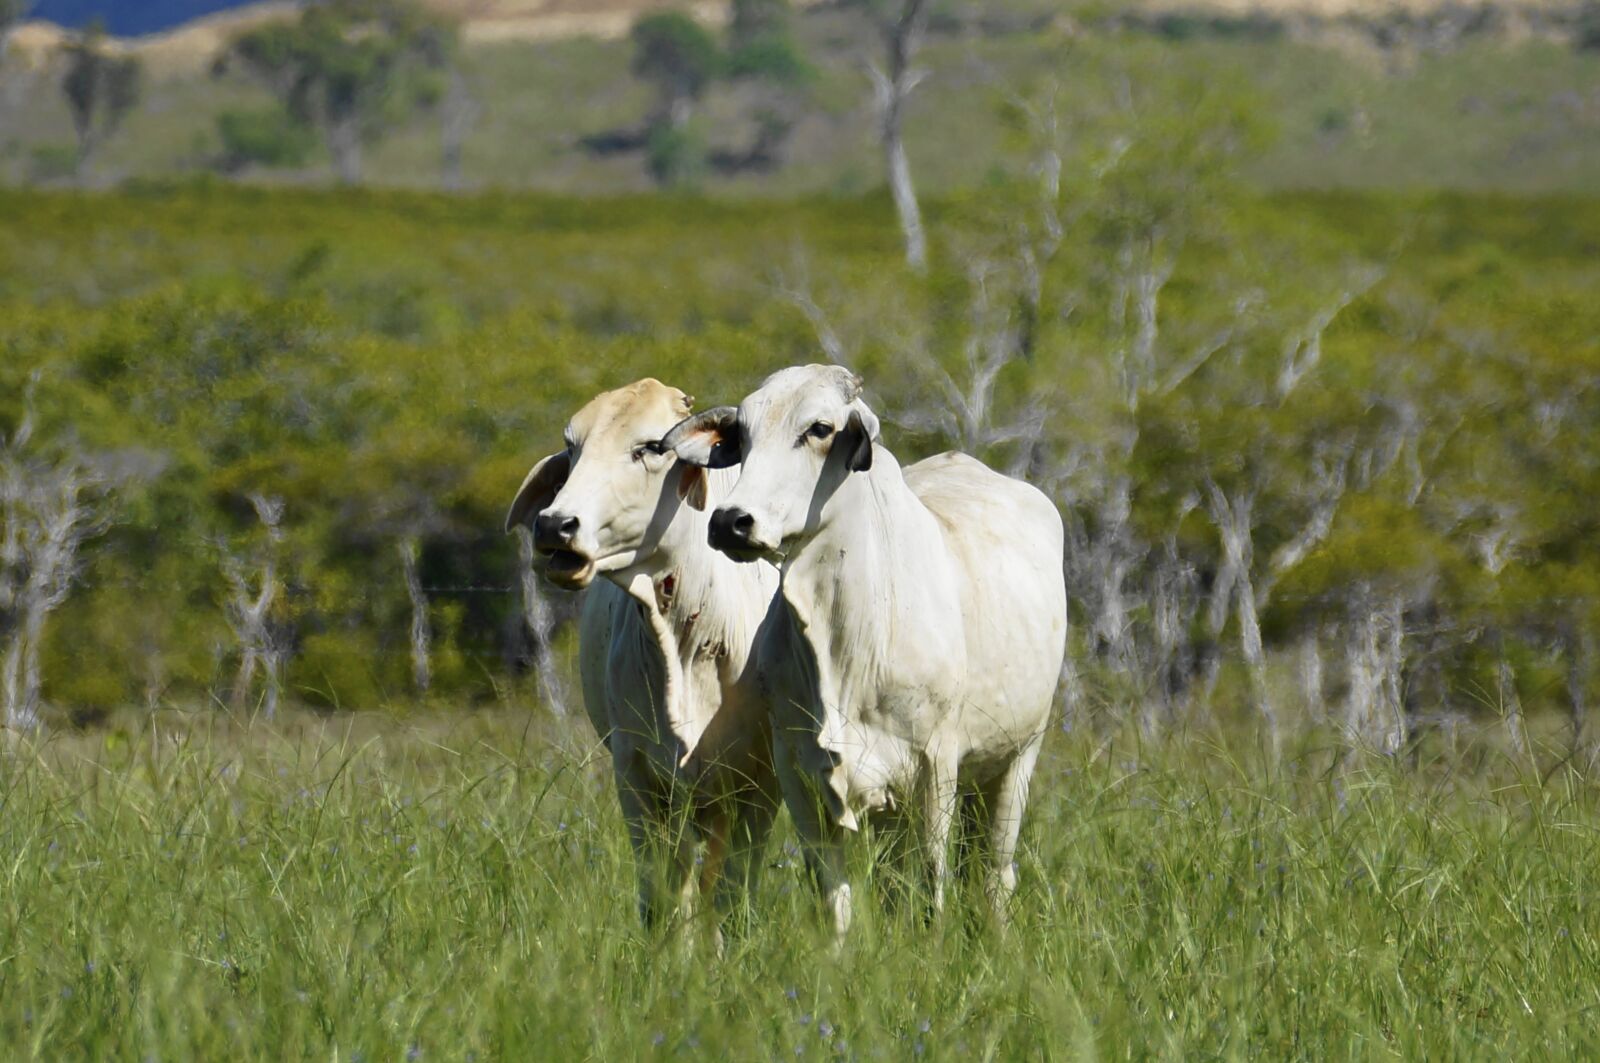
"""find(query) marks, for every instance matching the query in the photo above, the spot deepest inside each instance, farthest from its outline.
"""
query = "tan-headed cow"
(665, 642)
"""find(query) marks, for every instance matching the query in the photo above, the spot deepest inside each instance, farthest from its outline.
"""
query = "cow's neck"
(844, 585)
(701, 608)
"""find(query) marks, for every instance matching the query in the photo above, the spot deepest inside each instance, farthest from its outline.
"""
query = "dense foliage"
(1392, 401)
(352, 69)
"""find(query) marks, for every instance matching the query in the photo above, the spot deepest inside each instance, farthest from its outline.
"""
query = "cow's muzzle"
(553, 535)
(733, 532)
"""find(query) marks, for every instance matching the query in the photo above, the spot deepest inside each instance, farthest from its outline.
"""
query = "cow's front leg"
(663, 846)
(749, 829)
(821, 836)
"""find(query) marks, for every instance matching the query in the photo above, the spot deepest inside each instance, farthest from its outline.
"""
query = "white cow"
(665, 642)
(916, 660)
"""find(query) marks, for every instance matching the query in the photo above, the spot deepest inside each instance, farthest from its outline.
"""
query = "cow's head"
(603, 503)
(800, 436)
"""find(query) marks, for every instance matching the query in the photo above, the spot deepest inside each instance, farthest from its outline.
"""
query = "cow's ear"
(692, 486)
(539, 489)
(709, 440)
(858, 434)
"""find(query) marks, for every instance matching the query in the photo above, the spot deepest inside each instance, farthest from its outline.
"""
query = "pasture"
(459, 886)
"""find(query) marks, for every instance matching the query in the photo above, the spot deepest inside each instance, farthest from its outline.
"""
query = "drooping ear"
(709, 439)
(539, 489)
(692, 486)
(858, 433)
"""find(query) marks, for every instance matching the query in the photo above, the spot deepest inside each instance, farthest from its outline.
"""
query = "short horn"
(709, 439)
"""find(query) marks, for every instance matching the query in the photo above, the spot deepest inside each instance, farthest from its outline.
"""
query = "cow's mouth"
(569, 568)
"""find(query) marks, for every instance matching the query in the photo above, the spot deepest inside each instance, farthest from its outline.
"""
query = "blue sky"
(125, 17)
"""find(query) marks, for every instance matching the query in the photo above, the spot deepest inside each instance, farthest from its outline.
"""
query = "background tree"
(901, 24)
(459, 111)
(266, 136)
(101, 88)
(50, 504)
(679, 58)
(11, 13)
(765, 58)
(352, 69)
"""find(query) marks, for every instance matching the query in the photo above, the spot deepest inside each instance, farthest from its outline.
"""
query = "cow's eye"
(820, 430)
(652, 447)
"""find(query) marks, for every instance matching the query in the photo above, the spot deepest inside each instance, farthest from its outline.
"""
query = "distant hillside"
(1350, 101)
(487, 18)
(500, 18)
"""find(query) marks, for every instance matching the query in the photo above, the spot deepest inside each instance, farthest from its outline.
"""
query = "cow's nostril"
(552, 531)
(731, 528)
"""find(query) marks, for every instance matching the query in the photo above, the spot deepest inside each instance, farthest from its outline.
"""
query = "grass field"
(456, 888)
(455, 882)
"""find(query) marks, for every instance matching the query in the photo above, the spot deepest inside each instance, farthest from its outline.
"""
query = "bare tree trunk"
(1234, 519)
(83, 164)
(1391, 672)
(344, 144)
(47, 516)
(1255, 660)
(536, 613)
(249, 611)
(1510, 703)
(421, 629)
(1360, 707)
(1311, 675)
(902, 34)
(458, 114)
(1110, 564)
(17, 718)
(1580, 655)
(1375, 649)
(1171, 611)
(1071, 692)
(25, 712)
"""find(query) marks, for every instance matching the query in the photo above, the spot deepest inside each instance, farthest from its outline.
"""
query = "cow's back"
(1008, 542)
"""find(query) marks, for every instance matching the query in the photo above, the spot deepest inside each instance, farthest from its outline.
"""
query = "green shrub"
(52, 162)
(338, 670)
(676, 155)
(265, 136)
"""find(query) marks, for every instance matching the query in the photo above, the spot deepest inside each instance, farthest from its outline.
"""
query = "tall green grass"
(362, 888)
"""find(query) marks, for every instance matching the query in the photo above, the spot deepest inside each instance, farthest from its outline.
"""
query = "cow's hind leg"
(1003, 802)
(938, 814)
